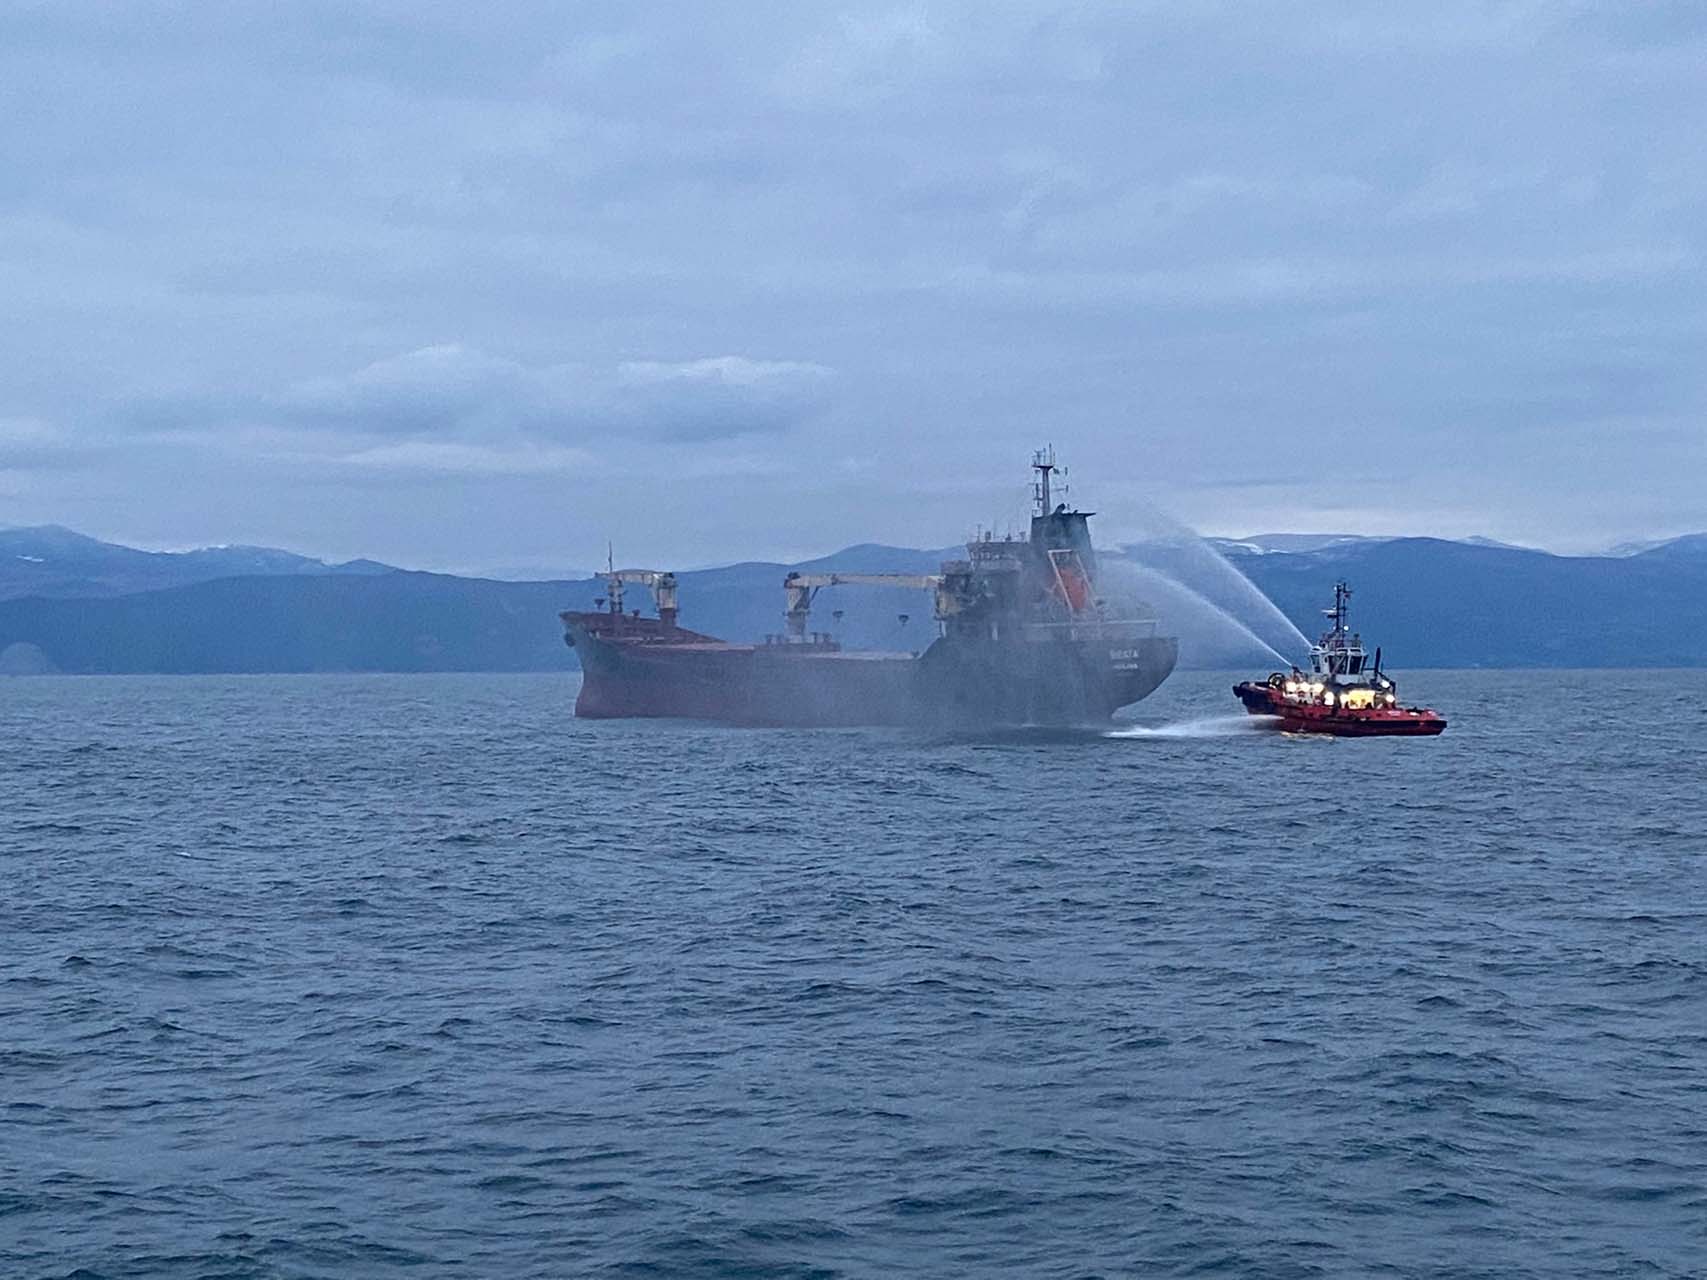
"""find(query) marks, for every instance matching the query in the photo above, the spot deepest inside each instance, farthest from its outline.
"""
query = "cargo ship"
(1343, 693)
(1023, 638)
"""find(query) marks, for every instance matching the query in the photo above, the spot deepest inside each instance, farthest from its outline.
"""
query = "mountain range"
(48, 560)
(72, 603)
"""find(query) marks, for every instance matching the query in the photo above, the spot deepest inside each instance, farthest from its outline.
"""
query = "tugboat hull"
(1371, 722)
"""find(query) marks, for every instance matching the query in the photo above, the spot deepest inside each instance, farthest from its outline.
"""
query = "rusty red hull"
(952, 684)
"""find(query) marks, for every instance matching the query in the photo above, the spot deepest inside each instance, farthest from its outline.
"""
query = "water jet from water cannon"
(1168, 546)
(1207, 632)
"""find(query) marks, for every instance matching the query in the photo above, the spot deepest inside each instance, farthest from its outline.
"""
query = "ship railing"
(1093, 629)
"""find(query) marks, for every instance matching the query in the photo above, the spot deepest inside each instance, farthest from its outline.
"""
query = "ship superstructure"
(1023, 637)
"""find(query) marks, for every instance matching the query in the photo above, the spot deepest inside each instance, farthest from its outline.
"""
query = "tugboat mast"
(1341, 612)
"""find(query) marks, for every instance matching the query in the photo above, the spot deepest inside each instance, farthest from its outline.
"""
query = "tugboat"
(1343, 693)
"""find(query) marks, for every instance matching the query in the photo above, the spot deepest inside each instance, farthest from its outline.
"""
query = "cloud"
(455, 458)
(458, 391)
(718, 398)
(434, 391)
(446, 396)
(1175, 236)
(30, 444)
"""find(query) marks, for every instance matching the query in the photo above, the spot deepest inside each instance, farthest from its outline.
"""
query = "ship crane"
(802, 587)
(662, 582)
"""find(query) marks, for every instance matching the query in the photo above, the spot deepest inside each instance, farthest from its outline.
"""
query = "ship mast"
(1043, 462)
(613, 584)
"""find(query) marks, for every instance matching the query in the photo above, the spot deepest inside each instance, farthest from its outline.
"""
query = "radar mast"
(1043, 463)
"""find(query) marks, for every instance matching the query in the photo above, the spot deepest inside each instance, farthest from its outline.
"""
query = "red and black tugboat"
(1343, 692)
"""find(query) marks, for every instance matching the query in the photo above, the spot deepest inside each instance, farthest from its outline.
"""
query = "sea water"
(420, 976)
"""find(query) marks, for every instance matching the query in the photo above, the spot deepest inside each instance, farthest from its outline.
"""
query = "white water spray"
(1203, 727)
(1168, 547)
(1208, 633)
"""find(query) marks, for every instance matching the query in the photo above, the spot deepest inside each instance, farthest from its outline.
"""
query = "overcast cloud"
(460, 285)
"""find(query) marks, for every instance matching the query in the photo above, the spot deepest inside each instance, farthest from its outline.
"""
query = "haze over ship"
(1023, 638)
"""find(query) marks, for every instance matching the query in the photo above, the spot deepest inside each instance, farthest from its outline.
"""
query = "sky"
(493, 286)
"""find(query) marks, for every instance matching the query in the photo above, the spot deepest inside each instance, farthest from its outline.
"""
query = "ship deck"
(792, 653)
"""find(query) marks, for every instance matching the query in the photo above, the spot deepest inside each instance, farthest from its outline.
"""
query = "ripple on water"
(422, 977)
